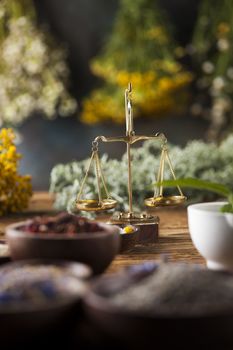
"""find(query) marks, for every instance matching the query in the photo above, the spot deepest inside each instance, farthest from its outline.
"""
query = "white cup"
(212, 234)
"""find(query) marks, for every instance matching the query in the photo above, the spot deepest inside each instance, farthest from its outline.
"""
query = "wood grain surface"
(174, 240)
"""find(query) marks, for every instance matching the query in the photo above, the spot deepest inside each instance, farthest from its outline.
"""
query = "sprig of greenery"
(228, 208)
(217, 188)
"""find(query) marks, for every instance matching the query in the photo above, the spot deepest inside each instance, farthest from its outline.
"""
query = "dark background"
(83, 26)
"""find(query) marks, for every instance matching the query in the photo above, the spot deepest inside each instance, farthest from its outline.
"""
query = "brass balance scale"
(106, 202)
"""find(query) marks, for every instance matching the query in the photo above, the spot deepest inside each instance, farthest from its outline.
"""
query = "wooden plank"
(174, 242)
(174, 239)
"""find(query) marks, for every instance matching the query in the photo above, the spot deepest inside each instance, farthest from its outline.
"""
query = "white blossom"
(218, 83)
(223, 44)
(33, 75)
(208, 67)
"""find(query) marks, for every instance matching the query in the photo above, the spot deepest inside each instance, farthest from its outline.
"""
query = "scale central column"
(129, 180)
(129, 133)
(146, 224)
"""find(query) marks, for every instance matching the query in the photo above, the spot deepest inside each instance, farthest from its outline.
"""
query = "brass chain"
(173, 173)
(98, 177)
(99, 174)
(85, 177)
(159, 189)
(164, 156)
(102, 177)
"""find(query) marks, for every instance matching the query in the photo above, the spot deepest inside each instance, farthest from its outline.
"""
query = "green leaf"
(198, 184)
(227, 208)
(230, 199)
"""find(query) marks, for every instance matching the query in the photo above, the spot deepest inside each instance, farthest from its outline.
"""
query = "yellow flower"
(15, 190)
(223, 28)
(122, 78)
(165, 84)
(155, 92)
(179, 51)
(158, 34)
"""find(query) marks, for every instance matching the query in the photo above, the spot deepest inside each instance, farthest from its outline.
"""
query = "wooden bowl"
(136, 330)
(96, 249)
(23, 320)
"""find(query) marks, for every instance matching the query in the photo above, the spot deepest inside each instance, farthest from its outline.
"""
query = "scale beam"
(132, 139)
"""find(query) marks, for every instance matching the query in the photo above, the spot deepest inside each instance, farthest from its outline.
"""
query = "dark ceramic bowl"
(138, 330)
(96, 249)
(24, 320)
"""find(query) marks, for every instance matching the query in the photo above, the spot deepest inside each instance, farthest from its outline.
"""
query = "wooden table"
(174, 240)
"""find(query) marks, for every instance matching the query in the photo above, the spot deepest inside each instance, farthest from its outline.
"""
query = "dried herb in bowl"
(62, 223)
(177, 290)
(36, 285)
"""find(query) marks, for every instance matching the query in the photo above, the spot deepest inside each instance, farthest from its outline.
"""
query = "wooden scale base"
(147, 225)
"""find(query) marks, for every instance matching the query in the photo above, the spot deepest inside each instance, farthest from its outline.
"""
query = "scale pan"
(164, 201)
(95, 205)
